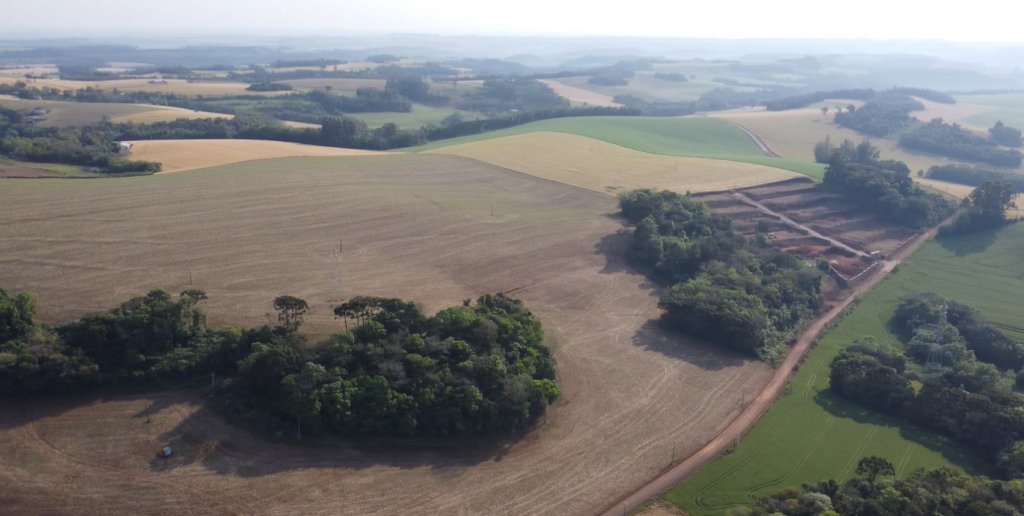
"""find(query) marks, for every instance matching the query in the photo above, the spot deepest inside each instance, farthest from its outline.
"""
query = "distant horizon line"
(24, 34)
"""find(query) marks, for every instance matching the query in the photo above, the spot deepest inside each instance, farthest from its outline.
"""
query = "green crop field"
(688, 136)
(808, 435)
(1008, 107)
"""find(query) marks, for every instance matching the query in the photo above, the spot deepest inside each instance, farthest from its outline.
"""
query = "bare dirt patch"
(801, 220)
(21, 171)
(581, 95)
(634, 397)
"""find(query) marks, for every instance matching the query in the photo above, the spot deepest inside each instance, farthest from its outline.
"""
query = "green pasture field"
(1008, 107)
(809, 435)
(675, 136)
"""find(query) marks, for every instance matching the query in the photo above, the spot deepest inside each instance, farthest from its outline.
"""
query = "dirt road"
(792, 223)
(761, 144)
(753, 412)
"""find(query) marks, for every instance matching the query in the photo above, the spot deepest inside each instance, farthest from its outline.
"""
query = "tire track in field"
(699, 499)
(905, 458)
(212, 500)
(856, 455)
(803, 460)
(706, 404)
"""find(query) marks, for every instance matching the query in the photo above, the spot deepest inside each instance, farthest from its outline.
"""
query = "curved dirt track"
(753, 412)
(632, 396)
(761, 144)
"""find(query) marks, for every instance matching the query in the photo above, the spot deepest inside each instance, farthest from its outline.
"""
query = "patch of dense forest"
(954, 141)
(866, 94)
(498, 96)
(91, 146)
(474, 370)
(719, 288)
(975, 176)
(884, 114)
(881, 186)
(954, 375)
(875, 491)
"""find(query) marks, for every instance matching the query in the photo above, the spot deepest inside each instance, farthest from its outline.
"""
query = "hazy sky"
(976, 20)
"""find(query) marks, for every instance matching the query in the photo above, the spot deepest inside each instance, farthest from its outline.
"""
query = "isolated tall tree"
(824, 110)
(290, 310)
(992, 199)
(16, 313)
(1005, 135)
(873, 466)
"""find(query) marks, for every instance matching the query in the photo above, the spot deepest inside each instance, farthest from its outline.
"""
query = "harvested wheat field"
(165, 114)
(958, 113)
(179, 155)
(632, 397)
(580, 95)
(604, 167)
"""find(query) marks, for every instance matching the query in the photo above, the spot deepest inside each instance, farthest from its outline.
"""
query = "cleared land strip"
(180, 155)
(753, 412)
(580, 95)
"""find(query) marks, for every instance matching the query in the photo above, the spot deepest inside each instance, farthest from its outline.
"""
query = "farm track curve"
(754, 411)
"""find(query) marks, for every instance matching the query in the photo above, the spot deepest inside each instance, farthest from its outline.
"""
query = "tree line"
(955, 375)
(866, 94)
(473, 370)
(875, 491)
(975, 176)
(719, 288)
(882, 186)
(954, 141)
(90, 146)
(884, 114)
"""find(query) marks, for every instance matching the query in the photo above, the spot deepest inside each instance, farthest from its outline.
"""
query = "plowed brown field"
(633, 398)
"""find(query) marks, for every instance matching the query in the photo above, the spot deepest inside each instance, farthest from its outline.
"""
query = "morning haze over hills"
(328, 259)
